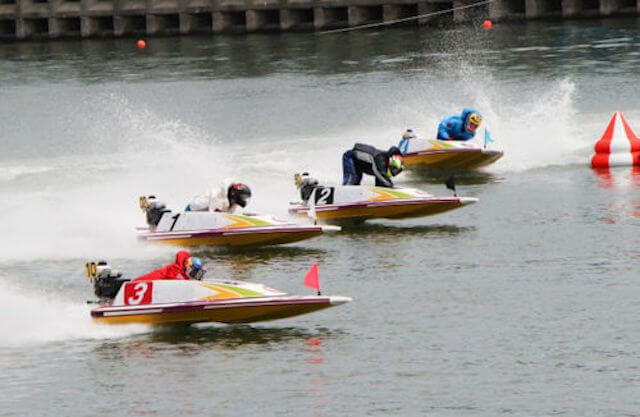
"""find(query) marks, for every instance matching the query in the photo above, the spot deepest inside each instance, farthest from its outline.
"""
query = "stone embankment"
(37, 19)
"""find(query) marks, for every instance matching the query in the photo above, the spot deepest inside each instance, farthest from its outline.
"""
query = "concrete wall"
(29, 19)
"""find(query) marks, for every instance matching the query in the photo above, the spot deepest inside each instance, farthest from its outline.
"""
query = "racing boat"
(443, 154)
(194, 228)
(191, 301)
(356, 203)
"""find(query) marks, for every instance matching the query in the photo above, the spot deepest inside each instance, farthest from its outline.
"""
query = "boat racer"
(365, 159)
(185, 267)
(404, 143)
(461, 126)
(226, 198)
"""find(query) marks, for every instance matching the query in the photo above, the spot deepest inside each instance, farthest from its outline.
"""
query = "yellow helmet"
(474, 121)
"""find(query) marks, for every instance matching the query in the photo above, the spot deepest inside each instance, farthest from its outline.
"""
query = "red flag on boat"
(312, 279)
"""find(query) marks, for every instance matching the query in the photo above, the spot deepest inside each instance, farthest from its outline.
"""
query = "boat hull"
(389, 209)
(246, 310)
(455, 158)
(231, 237)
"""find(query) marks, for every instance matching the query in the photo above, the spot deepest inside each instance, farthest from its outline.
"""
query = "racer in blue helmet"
(461, 126)
(194, 268)
(185, 267)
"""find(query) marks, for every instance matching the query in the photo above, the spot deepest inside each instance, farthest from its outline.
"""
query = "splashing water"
(34, 319)
(128, 150)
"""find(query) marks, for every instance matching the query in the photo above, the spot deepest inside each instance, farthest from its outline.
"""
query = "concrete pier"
(507, 9)
(391, 12)
(434, 12)
(297, 19)
(38, 19)
(330, 17)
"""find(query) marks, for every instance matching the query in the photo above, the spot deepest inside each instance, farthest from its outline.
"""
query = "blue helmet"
(194, 268)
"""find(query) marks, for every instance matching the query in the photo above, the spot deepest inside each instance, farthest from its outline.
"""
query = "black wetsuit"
(372, 161)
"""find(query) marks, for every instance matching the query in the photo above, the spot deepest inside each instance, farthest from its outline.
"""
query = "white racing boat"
(443, 154)
(355, 203)
(191, 301)
(194, 228)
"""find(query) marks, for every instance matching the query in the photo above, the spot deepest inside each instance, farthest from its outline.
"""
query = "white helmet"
(408, 134)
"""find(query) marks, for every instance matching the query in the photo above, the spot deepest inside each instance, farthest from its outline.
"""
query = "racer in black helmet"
(365, 159)
(239, 194)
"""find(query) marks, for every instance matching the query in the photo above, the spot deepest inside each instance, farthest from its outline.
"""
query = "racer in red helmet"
(185, 267)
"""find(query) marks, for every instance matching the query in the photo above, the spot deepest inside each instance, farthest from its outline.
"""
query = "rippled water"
(522, 304)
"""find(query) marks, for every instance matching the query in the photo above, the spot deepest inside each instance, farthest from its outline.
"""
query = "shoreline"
(53, 19)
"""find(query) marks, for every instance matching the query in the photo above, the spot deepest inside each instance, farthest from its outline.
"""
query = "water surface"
(522, 304)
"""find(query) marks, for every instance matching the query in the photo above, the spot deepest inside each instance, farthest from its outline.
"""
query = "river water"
(523, 304)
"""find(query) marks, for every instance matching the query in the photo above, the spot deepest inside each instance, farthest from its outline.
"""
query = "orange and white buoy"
(618, 146)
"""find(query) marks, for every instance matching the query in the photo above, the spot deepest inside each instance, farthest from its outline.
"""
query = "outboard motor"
(306, 184)
(153, 210)
(106, 282)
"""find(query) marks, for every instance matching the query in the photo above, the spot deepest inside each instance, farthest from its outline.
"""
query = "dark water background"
(523, 304)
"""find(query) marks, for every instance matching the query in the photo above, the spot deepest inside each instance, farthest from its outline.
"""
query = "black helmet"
(394, 150)
(239, 193)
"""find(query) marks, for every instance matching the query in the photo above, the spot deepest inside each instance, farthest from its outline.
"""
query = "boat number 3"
(138, 292)
(324, 195)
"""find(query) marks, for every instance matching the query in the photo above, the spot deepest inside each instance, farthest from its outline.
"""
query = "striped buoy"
(618, 146)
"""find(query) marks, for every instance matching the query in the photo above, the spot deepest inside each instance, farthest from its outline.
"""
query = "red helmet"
(239, 193)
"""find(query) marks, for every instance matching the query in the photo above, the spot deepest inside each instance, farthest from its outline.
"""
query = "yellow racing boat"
(356, 203)
(192, 301)
(195, 228)
(443, 154)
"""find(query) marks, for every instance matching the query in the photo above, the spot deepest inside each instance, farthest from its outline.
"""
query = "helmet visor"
(242, 200)
(239, 194)
(197, 273)
(194, 268)
(394, 171)
(474, 122)
(395, 165)
(395, 162)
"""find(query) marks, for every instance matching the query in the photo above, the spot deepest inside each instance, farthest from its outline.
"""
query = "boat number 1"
(175, 219)
(138, 293)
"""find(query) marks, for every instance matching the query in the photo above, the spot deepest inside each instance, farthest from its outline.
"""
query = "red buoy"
(487, 24)
(141, 44)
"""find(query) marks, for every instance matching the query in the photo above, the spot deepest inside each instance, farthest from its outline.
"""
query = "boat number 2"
(138, 292)
(324, 195)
